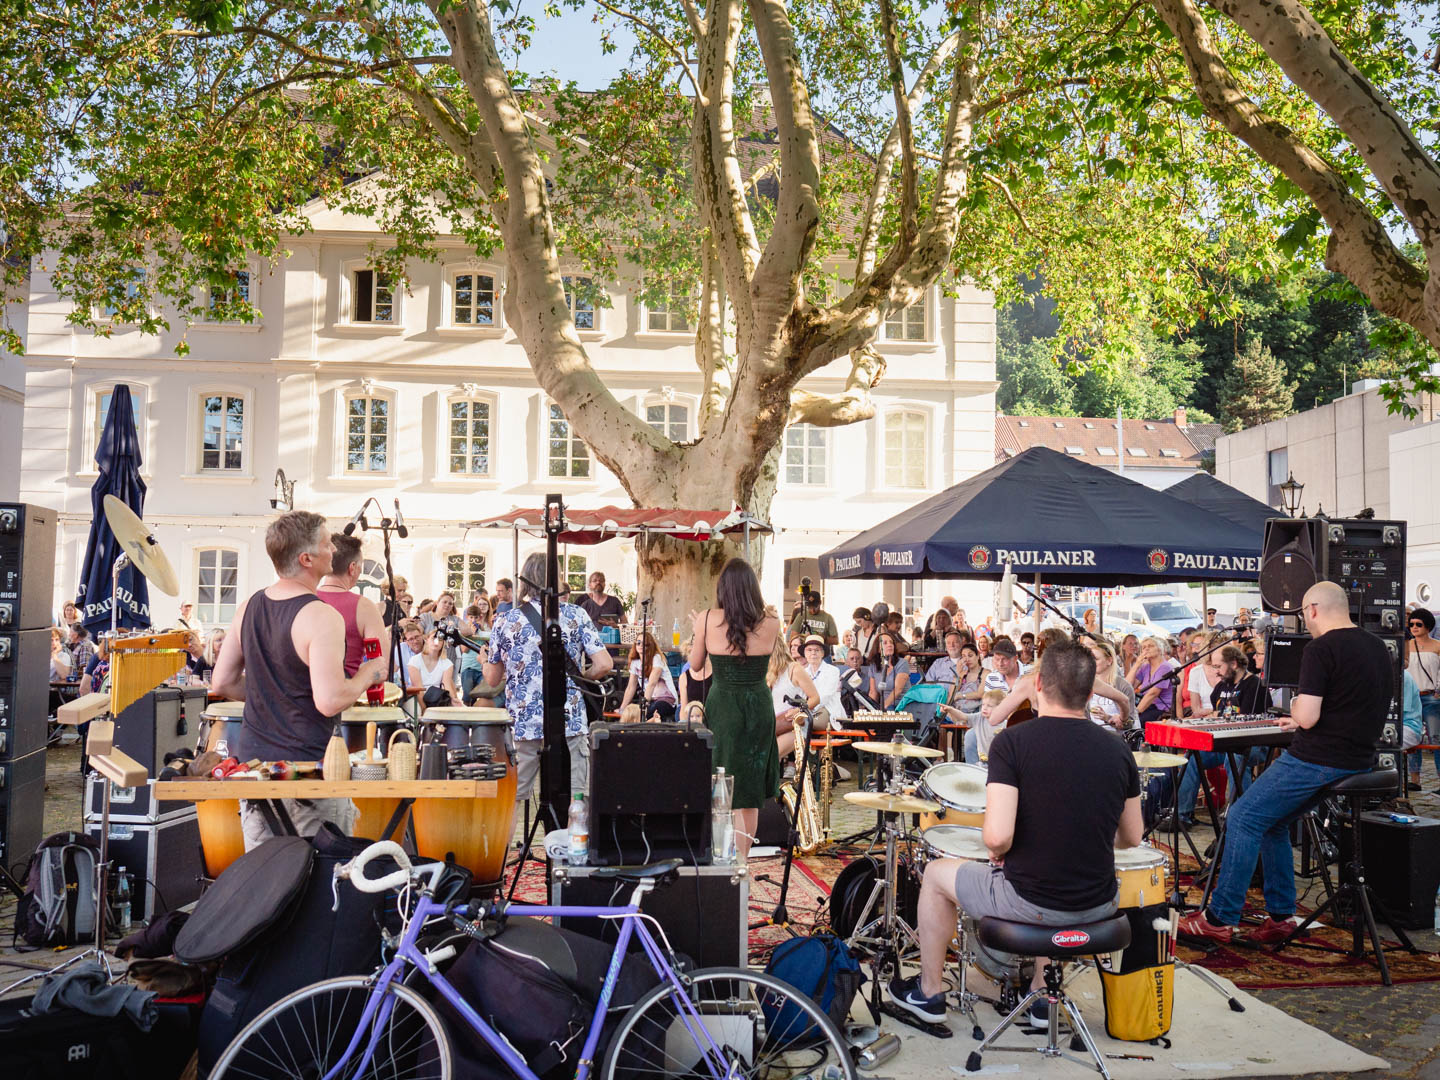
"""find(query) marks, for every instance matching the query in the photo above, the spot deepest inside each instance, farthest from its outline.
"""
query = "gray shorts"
(982, 891)
(307, 815)
(527, 764)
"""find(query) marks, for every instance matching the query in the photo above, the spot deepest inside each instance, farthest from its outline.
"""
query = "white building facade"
(355, 389)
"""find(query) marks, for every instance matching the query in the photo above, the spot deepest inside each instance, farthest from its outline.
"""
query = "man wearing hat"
(811, 619)
(826, 677)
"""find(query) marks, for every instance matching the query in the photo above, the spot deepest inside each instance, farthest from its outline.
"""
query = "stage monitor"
(1282, 660)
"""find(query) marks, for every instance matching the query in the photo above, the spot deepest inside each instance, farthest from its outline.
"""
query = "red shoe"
(1272, 931)
(1195, 925)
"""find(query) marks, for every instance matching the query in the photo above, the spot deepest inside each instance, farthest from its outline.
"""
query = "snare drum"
(1140, 874)
(221, 720)
(959, 789)
(953, 842)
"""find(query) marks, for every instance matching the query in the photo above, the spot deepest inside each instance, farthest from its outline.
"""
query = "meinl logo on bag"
(1070, 939)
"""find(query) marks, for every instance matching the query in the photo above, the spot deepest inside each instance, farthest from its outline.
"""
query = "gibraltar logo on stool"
(1070, 939)
(1158, 560)
(979, 557)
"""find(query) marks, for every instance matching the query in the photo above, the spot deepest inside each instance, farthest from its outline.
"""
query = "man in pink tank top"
(361, 614)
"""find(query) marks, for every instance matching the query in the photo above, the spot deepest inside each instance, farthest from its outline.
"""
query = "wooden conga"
(221, 720)
(477, 831)
(386, 718)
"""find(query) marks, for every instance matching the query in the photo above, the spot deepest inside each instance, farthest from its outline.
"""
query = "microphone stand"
(386, 527)
(644, 675)
(1076, 628)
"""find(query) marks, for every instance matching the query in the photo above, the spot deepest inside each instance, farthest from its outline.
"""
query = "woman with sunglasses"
(1422, 660)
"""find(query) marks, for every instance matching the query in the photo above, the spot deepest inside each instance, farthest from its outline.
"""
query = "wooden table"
(472, 818)
(949, 733)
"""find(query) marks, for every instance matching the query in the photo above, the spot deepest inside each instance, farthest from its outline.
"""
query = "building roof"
(1159, 444)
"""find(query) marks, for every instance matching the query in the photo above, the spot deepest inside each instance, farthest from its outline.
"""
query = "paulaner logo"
(894, 558)
(979, 557)
(1158, 560)
(1247, 563)
(849, 562)
(1035, 557)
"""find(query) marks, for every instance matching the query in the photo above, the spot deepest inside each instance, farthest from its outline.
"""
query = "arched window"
(368, 430)
(470, 429)
(669, 418)
(905, 437)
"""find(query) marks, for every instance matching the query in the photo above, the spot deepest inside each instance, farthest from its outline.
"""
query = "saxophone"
(806, 814)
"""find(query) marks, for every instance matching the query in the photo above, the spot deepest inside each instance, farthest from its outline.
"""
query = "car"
(1163, 613)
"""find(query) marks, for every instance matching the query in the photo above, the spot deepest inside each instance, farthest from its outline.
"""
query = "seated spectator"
(478, 615)
(936, 628)
(892, 676)
(95, 676)
(660, 696)
(895, 627)
(825, 676)
(1148, 677)
(213, 642)
(82, 649)
(474, 690)
(857, 684)
(982, 646)
(1027, 649)
(196, 667)
(434, 671)
(408, 645)
(61, 663)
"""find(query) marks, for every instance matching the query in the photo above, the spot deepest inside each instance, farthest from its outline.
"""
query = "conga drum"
(477, 831)
(221, 720)
(386, 719)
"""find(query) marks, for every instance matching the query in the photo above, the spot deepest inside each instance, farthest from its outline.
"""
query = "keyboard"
(874, 720)
(1236, 732)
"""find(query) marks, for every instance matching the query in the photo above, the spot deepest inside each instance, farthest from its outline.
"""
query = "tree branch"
(655, 32)
(710, 339)
(875, 204)
(1359, 246)
(1292, 38)
(909, 182)
(852, 404)
(692, 15)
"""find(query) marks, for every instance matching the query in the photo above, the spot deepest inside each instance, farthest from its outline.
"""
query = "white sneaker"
(842, 773)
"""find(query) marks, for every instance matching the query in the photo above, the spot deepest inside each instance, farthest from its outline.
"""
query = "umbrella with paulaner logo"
(1043, 512)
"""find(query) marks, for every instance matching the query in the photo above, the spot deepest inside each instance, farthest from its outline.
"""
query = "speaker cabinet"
(1292, 558)
(1402, 864)
(649, 793)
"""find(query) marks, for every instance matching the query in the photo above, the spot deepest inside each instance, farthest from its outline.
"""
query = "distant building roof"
(1163, 444)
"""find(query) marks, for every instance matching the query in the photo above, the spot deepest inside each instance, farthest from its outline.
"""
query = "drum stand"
(888, 936)
(964, 997)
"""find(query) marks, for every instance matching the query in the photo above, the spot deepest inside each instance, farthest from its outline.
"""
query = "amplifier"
(164, 859)
(649, 793)
(1366, 558)
(1402, 865)
(705, 914)
(22, 807)
(24, 691)
(27, 566)
(161, 722)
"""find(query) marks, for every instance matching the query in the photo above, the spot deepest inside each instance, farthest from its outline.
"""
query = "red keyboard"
(1238, 732)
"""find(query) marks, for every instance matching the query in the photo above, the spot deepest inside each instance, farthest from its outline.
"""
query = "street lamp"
(1290, 492)
(284, 492)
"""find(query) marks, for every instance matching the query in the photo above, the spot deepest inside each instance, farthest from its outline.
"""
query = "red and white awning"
(608, 522)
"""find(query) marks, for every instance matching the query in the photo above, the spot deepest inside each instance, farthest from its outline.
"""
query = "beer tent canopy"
(1048, 513)
(1217, 497)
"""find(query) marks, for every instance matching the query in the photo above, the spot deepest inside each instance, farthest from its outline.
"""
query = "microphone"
(1007, 594)
(400, 529)
(358, 519)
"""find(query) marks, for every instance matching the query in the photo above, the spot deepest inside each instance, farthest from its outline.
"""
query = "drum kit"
(949, 802)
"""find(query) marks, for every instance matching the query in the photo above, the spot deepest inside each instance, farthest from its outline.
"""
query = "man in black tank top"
(285, 658)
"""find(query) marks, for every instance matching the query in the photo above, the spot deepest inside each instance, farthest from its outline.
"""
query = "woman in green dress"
(737, 635)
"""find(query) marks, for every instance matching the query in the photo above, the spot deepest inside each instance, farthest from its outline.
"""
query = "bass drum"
(852, 889)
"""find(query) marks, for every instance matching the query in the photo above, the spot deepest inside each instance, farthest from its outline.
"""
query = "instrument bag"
(1140, 992)
(821, 967)
(331, 928)
(58, 905)
(537, 985)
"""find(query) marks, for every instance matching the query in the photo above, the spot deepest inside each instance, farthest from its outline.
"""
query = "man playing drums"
(1062, 794)
(285, 658)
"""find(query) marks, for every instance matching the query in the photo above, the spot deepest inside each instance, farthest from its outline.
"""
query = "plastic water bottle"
(122, 895)
(579, 851)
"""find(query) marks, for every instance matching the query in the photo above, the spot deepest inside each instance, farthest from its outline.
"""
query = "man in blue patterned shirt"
(515, 656)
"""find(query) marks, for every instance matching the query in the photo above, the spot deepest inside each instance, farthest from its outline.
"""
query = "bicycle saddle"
(637, 874)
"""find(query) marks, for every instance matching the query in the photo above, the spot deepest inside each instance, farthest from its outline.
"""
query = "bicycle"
(721, 1023)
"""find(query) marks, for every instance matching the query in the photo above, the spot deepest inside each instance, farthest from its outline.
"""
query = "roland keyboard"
(1237, 732)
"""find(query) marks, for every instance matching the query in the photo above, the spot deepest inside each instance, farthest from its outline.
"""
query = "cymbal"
(1155, 759)
(144, 551)
(897, 749)
(892, 804)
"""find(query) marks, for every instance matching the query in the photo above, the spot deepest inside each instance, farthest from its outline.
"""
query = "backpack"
(58, 906)
(821, 967)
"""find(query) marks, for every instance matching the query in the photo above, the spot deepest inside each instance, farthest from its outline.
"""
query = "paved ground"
(1401, 1024)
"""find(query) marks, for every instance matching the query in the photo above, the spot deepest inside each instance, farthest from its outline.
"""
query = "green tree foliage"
(1256, 388)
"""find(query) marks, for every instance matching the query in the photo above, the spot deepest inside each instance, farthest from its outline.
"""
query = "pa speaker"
(1292, 558)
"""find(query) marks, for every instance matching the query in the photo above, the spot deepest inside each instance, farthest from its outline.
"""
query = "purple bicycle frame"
(380, 1003)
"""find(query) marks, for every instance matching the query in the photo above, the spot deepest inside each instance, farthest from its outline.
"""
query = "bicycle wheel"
(765, 1029)
(304, 1034)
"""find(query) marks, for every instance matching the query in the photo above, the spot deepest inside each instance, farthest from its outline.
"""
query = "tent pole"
(1037, 606)
(1204, 603)
(1100, 607)
(515, 555)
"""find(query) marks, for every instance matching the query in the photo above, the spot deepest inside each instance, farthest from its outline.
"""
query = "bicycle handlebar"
(354, 870)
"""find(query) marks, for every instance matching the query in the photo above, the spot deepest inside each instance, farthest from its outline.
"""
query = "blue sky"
(568, 47)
